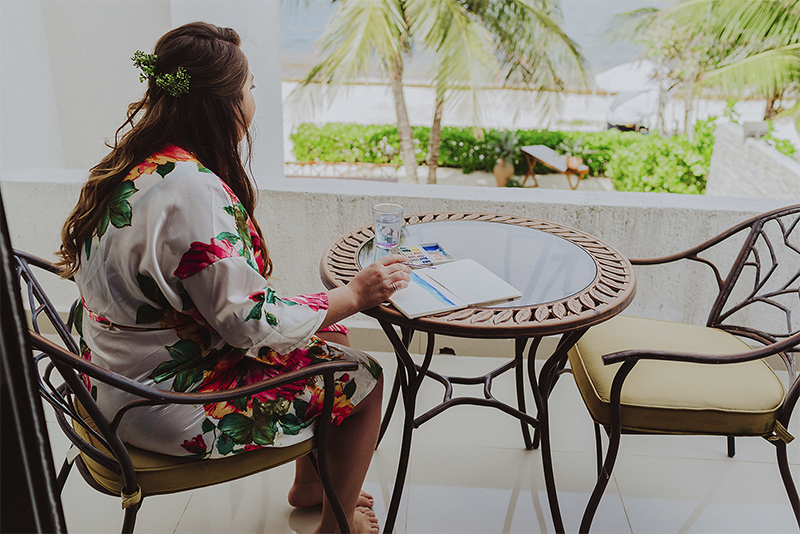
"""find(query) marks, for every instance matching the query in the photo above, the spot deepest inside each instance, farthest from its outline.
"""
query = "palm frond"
(463, 62)
(764, 72)
(533, 50)
(357, 32)
(747, 20)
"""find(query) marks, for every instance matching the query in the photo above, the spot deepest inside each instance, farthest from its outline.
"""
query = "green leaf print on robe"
(374, 368)
(239, 214)
(118, 212)
(186, 366)
(165, 169)
(146, 314)
(261, 428)
(270, 297)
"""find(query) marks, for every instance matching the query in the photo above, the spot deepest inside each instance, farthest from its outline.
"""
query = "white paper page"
(473, 283)
(425, 296)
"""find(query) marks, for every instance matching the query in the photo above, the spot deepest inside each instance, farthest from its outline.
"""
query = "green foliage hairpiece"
(176, 85)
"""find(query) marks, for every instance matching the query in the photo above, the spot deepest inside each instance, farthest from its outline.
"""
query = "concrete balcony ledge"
(302, 216)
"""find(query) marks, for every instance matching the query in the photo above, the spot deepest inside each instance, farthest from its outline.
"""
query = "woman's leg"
(307, 488)
(349, 454)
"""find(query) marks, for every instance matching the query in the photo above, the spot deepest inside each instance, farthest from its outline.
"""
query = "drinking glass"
(388, 219)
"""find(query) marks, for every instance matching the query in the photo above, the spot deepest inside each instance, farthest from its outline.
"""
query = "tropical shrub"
(633, 162)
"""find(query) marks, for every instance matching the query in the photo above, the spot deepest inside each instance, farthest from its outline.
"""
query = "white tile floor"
(469, 473)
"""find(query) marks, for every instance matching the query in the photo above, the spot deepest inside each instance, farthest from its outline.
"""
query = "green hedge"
(634, 162)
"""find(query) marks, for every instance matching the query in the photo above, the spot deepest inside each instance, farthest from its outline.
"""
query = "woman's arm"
(371, 286)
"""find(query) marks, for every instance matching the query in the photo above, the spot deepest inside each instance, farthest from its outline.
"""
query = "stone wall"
(750, 168)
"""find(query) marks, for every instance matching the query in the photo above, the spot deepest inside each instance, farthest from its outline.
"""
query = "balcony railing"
(378, 172)
(302, 216)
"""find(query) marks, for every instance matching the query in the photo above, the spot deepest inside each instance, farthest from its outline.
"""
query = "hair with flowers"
(208, 121)
(175, 84)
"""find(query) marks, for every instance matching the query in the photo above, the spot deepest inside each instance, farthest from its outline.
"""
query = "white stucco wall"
(67, 77)
(28, 108)
(750, 168)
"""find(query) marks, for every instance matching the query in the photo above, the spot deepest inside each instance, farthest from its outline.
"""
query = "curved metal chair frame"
(65, 396)
(758, 255)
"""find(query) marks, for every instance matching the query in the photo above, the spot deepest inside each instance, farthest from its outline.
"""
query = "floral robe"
(171, 296)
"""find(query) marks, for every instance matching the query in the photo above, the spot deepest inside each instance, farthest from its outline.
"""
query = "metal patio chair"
(116, 468)
(655, 377)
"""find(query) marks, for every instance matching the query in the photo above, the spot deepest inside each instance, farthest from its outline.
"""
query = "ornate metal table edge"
(613, 286)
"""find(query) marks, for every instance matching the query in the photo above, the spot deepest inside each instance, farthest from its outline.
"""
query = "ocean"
(587, 22)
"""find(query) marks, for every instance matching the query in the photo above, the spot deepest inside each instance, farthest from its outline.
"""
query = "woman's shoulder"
(174, 168)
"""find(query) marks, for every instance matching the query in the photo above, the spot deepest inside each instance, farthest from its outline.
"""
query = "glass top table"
(541, 265)
(567, 278)
(569, 281)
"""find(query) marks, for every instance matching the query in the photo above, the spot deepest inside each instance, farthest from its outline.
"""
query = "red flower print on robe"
(201, 255)
(86, 355)
(169, 153)
(235, 370)
(317, 301)
(173, 153)
(197, 445)
(342, 405)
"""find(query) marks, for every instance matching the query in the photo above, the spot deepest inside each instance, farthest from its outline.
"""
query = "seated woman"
(172, 269)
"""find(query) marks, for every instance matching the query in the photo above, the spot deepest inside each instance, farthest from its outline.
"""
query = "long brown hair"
(208, 121)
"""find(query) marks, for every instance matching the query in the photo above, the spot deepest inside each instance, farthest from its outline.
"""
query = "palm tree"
(762, 41)
(474, 43)
(682, 53)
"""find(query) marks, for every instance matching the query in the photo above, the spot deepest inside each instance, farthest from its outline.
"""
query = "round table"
(569, 281)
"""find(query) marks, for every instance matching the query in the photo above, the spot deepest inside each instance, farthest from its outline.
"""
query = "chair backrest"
(66, 396)
(759, 295)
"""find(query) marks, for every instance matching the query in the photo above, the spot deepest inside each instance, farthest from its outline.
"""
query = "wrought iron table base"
(409, 378)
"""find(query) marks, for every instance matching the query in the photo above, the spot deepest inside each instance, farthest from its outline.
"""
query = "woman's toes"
(366, 520)
(365, 500)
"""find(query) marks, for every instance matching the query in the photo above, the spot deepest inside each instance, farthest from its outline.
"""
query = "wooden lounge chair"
(550, 158)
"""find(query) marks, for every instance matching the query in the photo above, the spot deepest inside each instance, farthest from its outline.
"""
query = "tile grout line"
(622, 502)
(183, 513)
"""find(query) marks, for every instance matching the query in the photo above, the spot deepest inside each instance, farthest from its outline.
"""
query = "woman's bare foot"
(365, 521)
(310, 494)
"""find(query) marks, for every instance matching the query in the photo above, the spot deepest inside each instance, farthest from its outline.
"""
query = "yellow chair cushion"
(159, 474)
(676, 397)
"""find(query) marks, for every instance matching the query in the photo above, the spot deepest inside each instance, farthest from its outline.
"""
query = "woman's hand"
(372, 285)
(380, 280)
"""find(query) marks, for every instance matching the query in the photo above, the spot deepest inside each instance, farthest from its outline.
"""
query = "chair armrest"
(755, 354)
(749, 224)
(37, 261)
(146, 392)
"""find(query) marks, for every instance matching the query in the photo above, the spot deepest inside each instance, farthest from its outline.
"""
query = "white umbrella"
(633, 107)
(634, 76)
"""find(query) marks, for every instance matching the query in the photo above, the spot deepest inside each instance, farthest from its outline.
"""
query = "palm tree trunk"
(660, 125)
(403, 126)
(688, 101)
(435, 140)
(771, 110)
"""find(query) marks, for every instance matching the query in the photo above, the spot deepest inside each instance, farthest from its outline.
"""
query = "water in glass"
(387, 230)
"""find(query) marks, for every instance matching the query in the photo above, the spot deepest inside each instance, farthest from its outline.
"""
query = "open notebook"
(450, 286)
